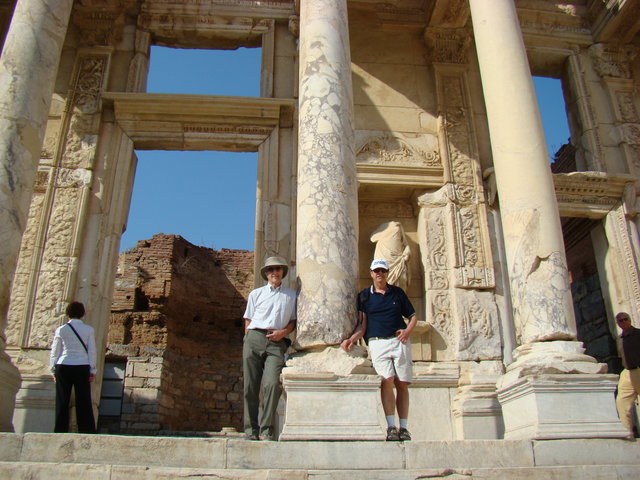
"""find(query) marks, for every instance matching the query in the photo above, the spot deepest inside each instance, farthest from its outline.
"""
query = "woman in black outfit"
(73, 363)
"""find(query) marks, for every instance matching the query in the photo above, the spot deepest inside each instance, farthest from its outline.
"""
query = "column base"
(544, 407)
(476, 410)
(332, 407)
(9, 386)
(35, 404)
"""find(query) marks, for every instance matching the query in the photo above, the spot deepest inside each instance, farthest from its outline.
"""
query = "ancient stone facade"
(420, 112)
(176, 319)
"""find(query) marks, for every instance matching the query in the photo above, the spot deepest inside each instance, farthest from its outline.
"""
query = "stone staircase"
(44, 456)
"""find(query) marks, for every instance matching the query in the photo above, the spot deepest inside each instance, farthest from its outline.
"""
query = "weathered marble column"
(543, 308)
(28, 68)
(319, 380)
(327, 221)
(536, 398)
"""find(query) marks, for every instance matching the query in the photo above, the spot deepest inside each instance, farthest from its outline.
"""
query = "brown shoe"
(404, 435)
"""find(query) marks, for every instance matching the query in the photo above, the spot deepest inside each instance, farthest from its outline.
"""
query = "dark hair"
(75, 310)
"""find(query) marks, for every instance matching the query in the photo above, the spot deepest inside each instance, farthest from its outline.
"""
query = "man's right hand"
(347, 344)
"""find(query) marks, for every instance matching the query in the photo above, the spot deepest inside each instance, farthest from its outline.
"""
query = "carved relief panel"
(453, 226)
(462, 314)
(47, 267)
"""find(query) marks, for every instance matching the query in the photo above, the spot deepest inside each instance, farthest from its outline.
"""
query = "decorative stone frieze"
(60, 212)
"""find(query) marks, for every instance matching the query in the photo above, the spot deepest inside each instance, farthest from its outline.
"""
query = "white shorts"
(392, 358)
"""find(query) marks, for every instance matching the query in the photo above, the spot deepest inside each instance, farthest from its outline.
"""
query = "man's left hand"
(276, 335)
(403, 335)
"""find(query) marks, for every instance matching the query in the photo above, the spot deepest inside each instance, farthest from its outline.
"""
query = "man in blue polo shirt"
(381, 308)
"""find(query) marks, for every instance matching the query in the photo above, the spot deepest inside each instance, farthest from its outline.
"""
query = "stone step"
(52, 456)
(58, 471)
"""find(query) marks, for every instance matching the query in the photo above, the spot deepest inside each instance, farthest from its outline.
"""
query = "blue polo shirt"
(385, 312)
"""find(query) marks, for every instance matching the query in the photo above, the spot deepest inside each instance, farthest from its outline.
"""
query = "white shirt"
(67, 349)
(271, 308)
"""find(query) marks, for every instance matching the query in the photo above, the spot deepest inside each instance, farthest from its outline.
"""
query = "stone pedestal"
(544, 407)
(553, 390)
(331, 407)
(476, 410)
(35, 404)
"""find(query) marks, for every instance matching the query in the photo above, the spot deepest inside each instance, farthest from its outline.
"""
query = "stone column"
(320, 380)
(327, 220)
(27, 74)
(538, 275)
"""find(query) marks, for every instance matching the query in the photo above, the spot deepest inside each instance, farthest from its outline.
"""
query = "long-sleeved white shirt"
(67, 349)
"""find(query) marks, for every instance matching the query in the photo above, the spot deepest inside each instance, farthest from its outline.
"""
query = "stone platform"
(68, 456)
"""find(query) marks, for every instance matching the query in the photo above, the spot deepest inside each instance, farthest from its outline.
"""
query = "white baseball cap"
(379, 263)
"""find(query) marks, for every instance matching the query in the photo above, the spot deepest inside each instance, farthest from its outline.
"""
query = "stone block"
(294, 455)
(46, 471)
(10, 445)
(469, 454)
(103, 449)
(592, 451)
(561, 406)
(148, 370)
(145, 395)
(330, 407)
(134, 382)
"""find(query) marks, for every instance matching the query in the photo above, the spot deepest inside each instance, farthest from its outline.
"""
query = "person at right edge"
(629, 383)
(381, 308)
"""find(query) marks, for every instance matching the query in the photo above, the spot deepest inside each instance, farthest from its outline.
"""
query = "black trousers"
(76, 376)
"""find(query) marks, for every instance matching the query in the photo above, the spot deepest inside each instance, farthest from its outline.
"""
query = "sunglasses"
(273, 269)
(380, 270)
(624, 319)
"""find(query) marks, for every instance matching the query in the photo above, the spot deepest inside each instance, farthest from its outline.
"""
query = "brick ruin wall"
(177, 320)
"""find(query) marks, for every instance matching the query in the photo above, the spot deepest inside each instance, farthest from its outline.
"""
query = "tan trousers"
(628, 391)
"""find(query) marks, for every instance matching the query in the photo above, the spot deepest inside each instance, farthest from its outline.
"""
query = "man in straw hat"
(270, 316)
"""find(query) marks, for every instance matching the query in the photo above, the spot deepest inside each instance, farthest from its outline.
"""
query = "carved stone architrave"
(592, 194)
(224, 24)
(97, 26)
(50, 251)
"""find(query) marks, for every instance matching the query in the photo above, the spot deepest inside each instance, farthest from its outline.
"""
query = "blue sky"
(209, 197)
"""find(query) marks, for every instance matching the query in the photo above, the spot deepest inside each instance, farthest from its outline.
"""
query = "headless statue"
(392, 246)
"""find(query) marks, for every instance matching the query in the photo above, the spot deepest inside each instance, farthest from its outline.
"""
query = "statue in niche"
(391, 245)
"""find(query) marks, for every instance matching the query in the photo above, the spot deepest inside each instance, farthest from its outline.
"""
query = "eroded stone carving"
(394, 149)
(391, 245)
(448, 45)
(539, 284)
(611, 61)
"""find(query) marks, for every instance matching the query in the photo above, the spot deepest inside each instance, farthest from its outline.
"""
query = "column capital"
(448, 45)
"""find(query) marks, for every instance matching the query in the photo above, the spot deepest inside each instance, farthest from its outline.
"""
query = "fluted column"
(538, 274)
(28, 69)
(327, 228)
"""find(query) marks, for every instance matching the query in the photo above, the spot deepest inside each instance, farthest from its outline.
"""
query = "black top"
(631, 349)
(385, 311)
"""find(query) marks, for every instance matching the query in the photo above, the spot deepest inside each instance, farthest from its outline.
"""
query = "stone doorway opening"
(177, 308)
